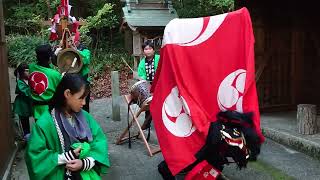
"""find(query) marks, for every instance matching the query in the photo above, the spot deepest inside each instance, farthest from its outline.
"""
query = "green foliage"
(22, 20)
(86, 39)
(213, 7)
(201, 8)
(21, 48)
(111, 60)
(42, 8)
(22, 12)
(89, 8)
(25, 17)
(104, 18)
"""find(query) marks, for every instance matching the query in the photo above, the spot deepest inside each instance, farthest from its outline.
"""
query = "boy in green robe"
(22, 103)
(67, 142)
(149, 63)
(43, 80)
(146, 70)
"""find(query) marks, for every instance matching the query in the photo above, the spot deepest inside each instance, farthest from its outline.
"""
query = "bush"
(111, 60)
(202, 8)
(21, 48)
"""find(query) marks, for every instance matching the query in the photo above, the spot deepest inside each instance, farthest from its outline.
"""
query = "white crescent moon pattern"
(230, 90)
(176, 107)
(188, 32)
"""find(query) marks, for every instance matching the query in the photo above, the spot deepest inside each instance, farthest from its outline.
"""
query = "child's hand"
(77, 151)
(74, 165)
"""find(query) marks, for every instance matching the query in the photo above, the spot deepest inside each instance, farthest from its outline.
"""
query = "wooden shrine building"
(287, 52)
(145, 19)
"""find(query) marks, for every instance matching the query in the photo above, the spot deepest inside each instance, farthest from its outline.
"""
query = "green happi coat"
(85, 150)
(53, 77)
(44, 146)
(22, 102)
(86, 58)
(142, 68)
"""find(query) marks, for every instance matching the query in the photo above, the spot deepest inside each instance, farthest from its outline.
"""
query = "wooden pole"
(8, 148)
(115, 95)
(152, 148)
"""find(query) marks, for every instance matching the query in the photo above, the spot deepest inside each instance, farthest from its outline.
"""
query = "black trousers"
(147, 121)
(25, 124)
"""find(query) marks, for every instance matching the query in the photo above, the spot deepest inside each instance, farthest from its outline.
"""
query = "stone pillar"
(115, 95)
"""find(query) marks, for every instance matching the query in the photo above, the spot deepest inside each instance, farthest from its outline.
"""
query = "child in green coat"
(149, 63)
(43, 80)
(22, 103)
(67, 142)
(147, 70)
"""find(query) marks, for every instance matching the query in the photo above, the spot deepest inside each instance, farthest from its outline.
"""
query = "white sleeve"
(65, 157)
(88, 163)
(61, 159)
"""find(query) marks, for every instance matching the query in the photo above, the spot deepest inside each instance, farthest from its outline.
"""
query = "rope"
(58, 130)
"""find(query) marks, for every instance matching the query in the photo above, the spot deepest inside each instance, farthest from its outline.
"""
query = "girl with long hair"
(67, 142)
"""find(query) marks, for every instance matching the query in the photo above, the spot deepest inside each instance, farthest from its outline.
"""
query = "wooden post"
(8, 148)
(137, 49)
(297, 64)
(307, 119)
(135, 63)
(318, 122)
(115, 95)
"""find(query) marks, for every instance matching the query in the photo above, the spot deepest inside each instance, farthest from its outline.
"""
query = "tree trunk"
(96, 45)
(307, 119)
(111, 37)
(49, 9)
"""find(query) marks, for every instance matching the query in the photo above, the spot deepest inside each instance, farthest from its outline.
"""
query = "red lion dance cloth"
(206, 66)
